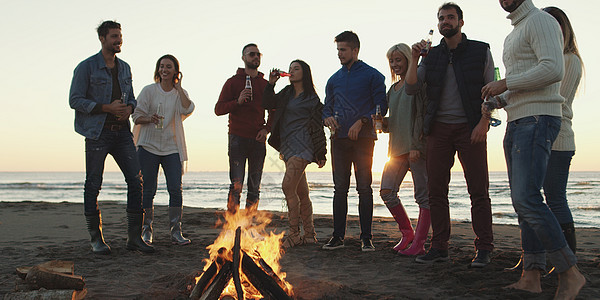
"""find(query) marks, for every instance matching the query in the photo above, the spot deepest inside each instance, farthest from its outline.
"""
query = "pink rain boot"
(420, 234)
(404, 225)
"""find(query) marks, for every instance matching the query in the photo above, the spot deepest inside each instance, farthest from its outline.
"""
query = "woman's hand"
(155, 118)
(273, 76)
(177, 84)
(417, 48)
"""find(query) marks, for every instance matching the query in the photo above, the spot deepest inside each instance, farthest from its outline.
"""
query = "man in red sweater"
(247, 127)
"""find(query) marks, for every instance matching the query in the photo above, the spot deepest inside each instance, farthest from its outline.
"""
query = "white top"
(533, 57)
(565, 141)
(171, 138)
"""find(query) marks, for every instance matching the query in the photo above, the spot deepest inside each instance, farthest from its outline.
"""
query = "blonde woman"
(406, 152)
(563, 148)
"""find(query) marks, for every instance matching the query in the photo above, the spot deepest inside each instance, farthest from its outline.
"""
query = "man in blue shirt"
(102, 97)
(352, 96)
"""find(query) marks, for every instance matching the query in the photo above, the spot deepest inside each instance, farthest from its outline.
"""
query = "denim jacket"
(91, 85)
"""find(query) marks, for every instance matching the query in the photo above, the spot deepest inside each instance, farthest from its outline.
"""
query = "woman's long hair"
(567, 29)
(403, 49)
(307, 81)
(176, 77)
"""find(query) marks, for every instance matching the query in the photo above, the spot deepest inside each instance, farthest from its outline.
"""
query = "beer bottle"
(249, 87)
(332, 129)
(492, 104)
(159, 125)
(425, 50)
(378, 120)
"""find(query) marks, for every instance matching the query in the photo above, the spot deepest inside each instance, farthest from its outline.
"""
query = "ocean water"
(209, 189)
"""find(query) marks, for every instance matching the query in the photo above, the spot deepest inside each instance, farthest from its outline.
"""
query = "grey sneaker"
(433, 255)
(334, 243)
(482, 259)
(366, 245)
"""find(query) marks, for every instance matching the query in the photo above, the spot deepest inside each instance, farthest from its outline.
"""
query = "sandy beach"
(35, 232)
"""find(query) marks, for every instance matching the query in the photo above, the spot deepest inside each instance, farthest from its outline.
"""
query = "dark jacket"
(278, 102)
(468, 60)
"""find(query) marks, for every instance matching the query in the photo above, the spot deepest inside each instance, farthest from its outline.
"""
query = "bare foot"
(569, 283)
(529, 281)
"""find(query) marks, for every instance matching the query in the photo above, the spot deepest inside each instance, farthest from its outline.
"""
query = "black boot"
(134, 232)
(569, 232)
(94, 226)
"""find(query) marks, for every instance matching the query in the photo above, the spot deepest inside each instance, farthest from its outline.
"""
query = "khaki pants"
(295, 189)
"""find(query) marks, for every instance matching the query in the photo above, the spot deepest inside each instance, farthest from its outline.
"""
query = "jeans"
(171, 165)
(120, 145)
(443, 142)
(555, 185)
(527, 146)
(393, 175)
(346, 152)
(241, 149)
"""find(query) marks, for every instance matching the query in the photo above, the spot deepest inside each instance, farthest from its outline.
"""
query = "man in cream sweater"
(533, 57)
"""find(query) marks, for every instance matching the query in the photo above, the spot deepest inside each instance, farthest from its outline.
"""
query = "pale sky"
(43, 41)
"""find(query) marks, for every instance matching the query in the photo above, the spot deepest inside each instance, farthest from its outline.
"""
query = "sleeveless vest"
(468, 60)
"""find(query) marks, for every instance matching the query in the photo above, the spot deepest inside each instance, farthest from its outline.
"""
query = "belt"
(114, 127)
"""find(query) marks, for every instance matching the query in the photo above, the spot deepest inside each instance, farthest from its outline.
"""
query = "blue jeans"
(346, 152)
(555, 185)
(240, 150)
(527, 146)
(120, 145)
(393, 175)
(171, 165)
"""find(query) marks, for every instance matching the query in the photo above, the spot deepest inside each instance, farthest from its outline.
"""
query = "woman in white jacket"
(159, 136)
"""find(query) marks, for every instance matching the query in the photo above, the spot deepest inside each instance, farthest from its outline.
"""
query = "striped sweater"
(533, 57)
(565, 141)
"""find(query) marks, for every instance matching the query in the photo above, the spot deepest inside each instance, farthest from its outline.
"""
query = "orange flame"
(256, 241)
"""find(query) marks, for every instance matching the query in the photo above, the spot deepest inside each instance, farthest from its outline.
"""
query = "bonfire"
(243, 261)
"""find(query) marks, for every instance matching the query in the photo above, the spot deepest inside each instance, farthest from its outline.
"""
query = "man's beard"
(116, 50)
(448, 33)
(512, 7)
(252, 66)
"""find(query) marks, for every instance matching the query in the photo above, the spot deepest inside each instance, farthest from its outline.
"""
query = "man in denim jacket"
(102, 97)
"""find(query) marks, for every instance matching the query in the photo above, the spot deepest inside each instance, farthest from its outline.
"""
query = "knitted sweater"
(172, 136)
(565, 141)
(533, 57)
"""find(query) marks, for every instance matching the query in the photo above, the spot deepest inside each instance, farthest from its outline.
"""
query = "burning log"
(236, 263)
(219, 283)
(51, 280)
(263, 264)
(262, 281)
(205, 279)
